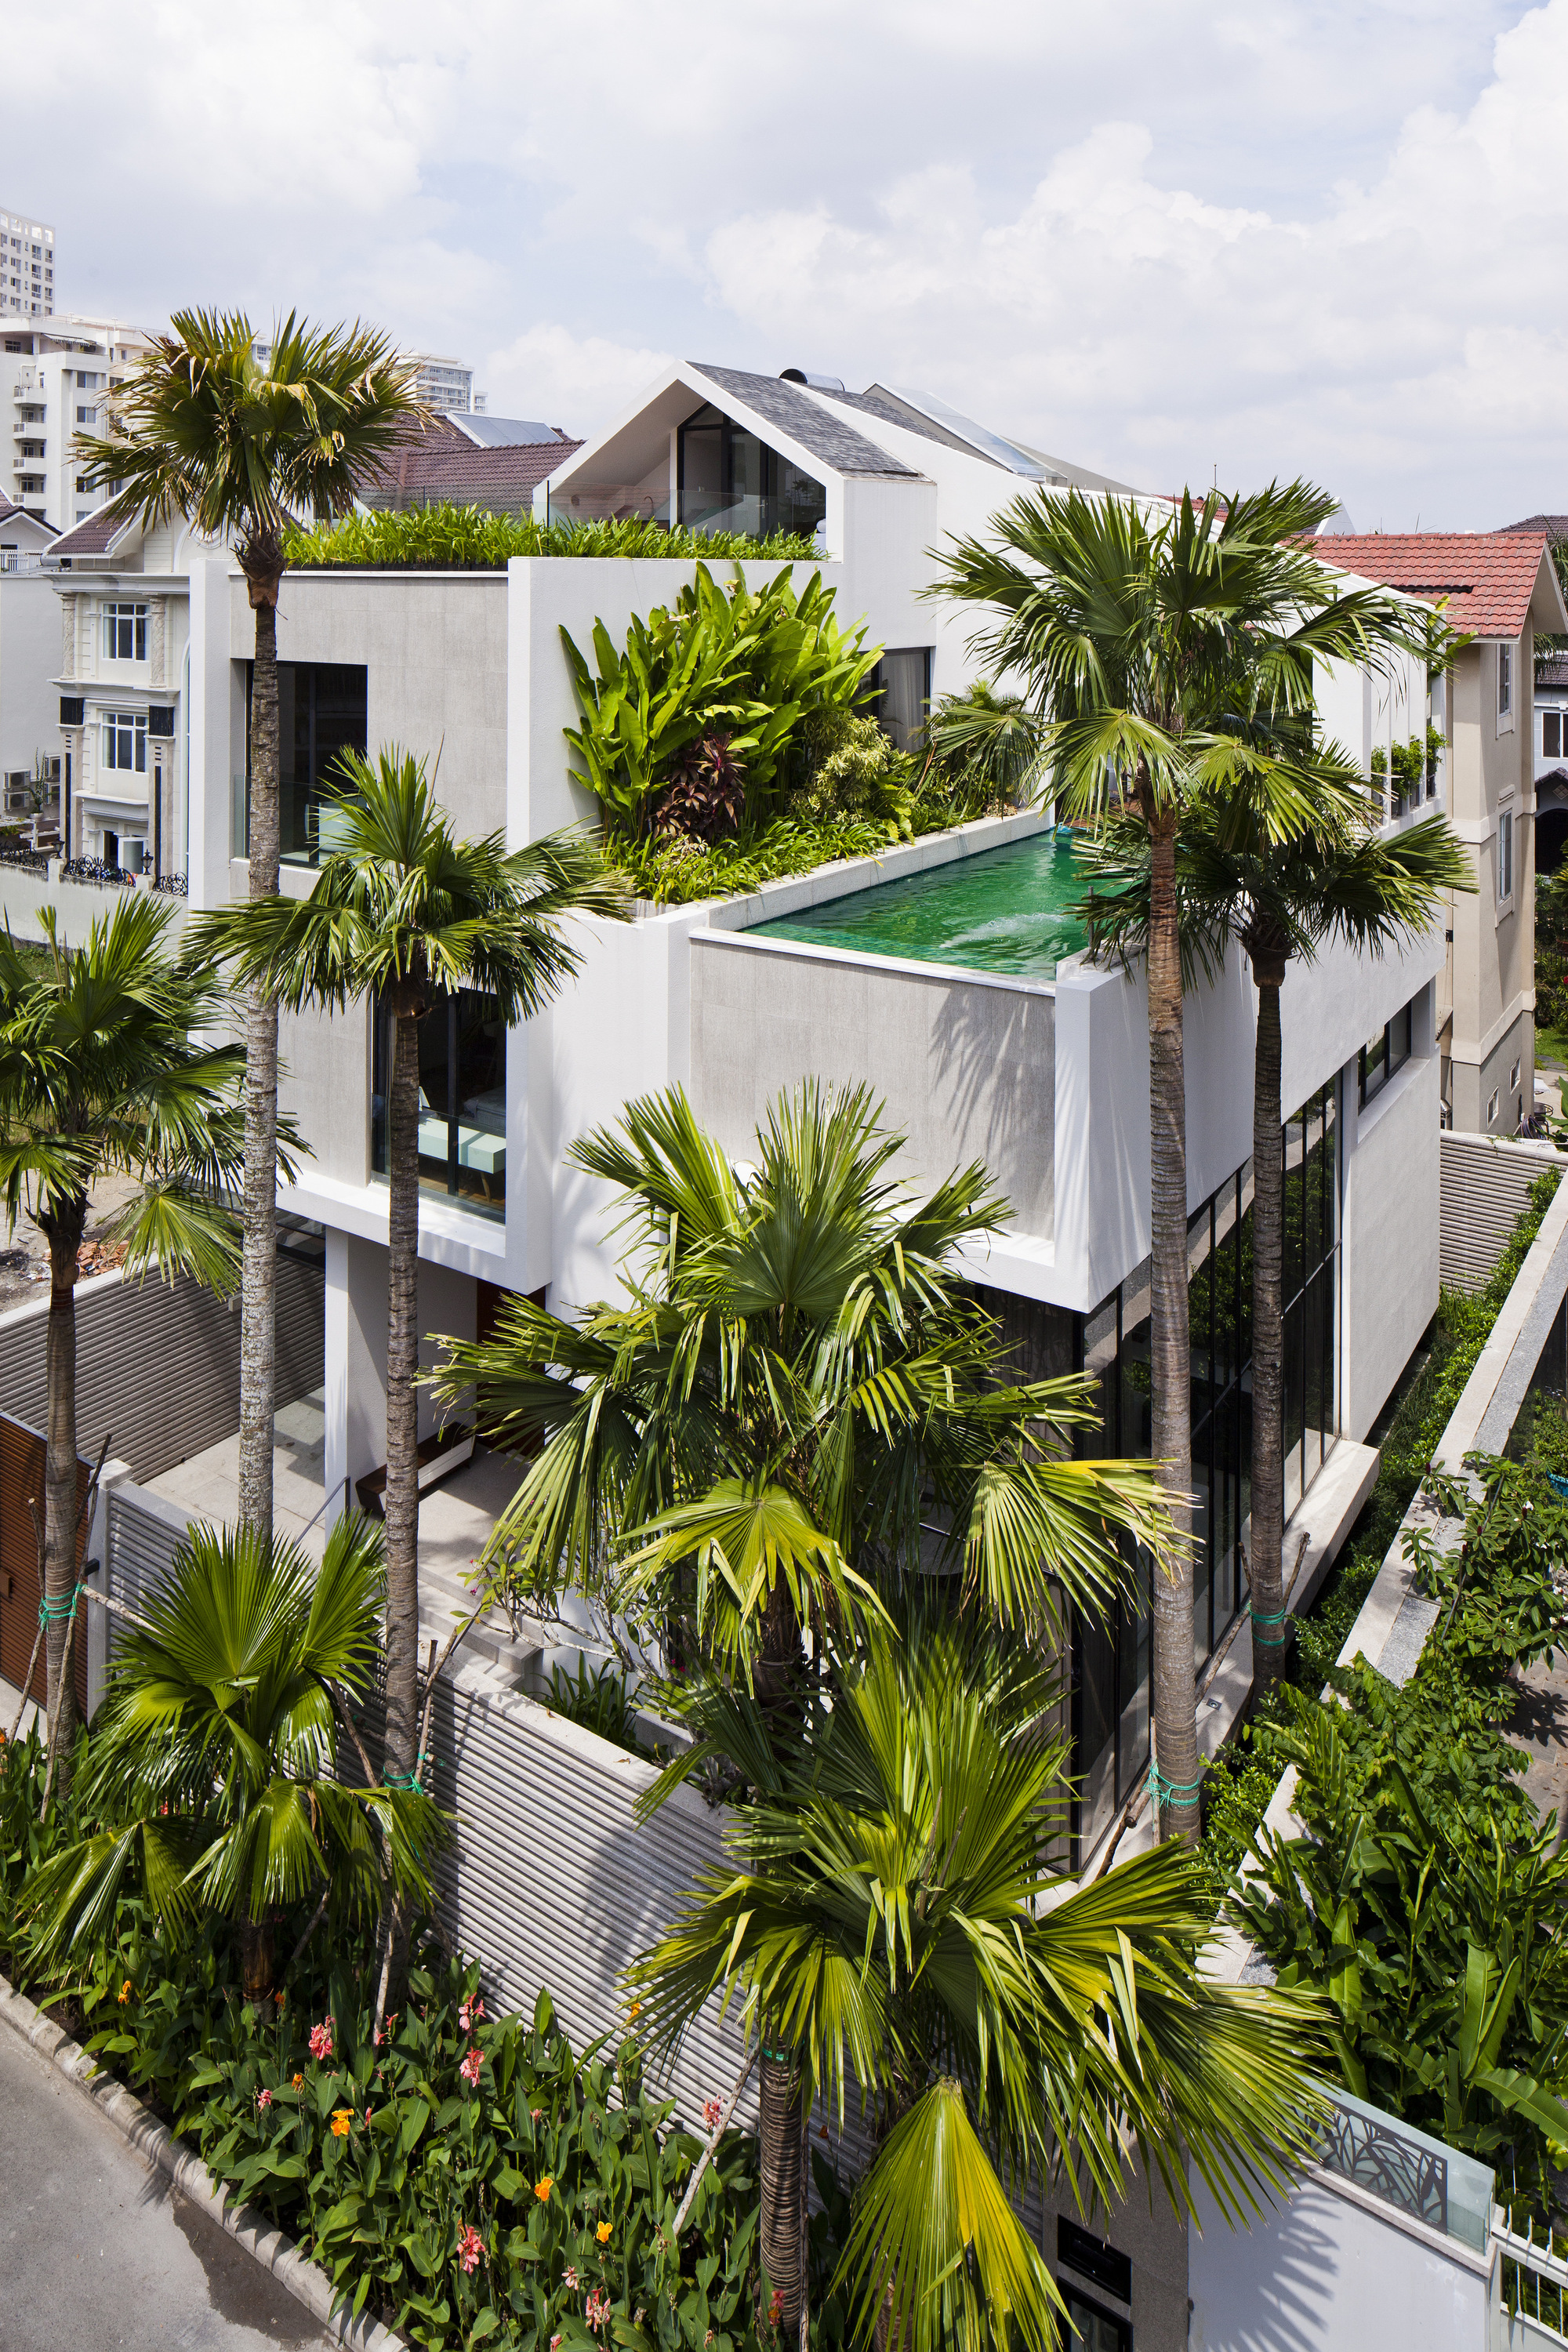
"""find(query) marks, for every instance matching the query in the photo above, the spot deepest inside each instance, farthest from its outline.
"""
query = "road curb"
(303, 2279)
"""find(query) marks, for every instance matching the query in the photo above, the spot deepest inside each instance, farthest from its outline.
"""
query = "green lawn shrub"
(449, 538)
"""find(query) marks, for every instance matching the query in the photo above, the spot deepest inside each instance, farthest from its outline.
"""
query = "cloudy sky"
(1159, 236)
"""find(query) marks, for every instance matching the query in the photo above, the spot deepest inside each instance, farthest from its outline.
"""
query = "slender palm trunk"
(258, 1260)
(256, 1959)
(1267, 1560)
(785, 2175)
(401, 1497)
(1175, 1724)
(62, 1226)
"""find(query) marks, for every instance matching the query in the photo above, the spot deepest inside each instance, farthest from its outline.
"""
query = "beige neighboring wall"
(1491, 991)
(433, 645)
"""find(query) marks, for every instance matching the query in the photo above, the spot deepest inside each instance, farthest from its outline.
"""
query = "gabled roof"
(805, 421)
(95, 536)
(1491, 582)
(1554, 526)
(10, 509)
(441, 463)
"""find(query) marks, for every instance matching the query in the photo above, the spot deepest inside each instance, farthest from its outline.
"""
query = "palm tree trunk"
(256, 1965)
(1268, 1333)
(784, 2181)
(1175, 1723)
(259, 1259)
(63, 1227)
(402, 1497)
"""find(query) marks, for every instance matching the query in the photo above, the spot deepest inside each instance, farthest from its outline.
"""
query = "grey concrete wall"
(434, 648)
(965, 1067)
(76, 905)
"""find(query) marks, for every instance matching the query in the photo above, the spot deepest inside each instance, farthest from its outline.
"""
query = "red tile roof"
(442, 463)
(1488, 577)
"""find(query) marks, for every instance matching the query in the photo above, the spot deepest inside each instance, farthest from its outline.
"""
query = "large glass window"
(1112, 1662)
(462, 1099)
(901, 684)
(731, 480)
(320, 712)
(124, 630)
(1382, 1055)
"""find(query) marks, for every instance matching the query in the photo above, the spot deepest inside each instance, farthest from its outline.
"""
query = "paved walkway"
(99, 2251)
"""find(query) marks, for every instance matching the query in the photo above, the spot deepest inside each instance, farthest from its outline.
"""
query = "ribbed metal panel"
(157, 1364)
(1484, 1189)
(144, 1531)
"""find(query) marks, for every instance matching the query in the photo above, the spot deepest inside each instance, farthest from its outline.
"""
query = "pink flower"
(470, 2249)
(556, 2344)
(469, 2069)
(469, 2014)
(711, 2111)
(536, 2113)
(597, 2310)
(321, 2040)
(367, 2115)
(571, 2279)
(265, 2100)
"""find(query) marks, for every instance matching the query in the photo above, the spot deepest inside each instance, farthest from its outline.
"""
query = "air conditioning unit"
(161, 719)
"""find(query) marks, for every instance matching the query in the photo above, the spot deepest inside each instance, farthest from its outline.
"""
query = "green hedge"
(448, 538)
(1238, 1791)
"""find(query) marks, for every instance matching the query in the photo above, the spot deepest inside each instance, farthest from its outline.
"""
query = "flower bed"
(470, 2179)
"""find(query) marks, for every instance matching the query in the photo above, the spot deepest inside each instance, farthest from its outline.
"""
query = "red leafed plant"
(706, 795)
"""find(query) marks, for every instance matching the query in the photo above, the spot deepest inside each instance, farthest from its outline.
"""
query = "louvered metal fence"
(1484, 1190)
(158, 1364)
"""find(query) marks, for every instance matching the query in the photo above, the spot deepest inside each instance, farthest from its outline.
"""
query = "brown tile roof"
(441, 463)
(1554, 526)
(1487, 576)
(95, 536)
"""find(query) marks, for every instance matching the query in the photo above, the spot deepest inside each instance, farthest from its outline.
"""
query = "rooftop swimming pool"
(1004, 911)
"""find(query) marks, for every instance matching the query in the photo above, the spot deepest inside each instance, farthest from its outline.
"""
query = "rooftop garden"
(729, 741)
(448, 538)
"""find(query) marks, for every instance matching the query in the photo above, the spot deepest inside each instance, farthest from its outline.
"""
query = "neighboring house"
(1550, 761)
(55, 375)
(1499, 588)
(1042, 1072)
(28, 635)
(120, 654)
(491, 462)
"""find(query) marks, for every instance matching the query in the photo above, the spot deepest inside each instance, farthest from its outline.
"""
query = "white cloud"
(580, 382)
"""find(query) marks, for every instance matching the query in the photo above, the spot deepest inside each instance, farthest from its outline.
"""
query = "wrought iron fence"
(31, 861)
(93, 869)
(1404, 2172)
(176, 884)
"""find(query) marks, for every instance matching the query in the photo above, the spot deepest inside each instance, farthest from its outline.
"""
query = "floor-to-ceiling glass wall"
(1112, 1662)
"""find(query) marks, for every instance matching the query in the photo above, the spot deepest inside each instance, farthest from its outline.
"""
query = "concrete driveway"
(99, 2249)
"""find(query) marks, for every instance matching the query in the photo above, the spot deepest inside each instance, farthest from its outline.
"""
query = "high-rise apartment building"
(27, 268)
(56, 377)
(445, 383)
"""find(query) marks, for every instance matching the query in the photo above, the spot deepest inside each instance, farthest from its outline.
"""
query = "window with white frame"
(1491, 1111)
(1505, 856)
(1551, 734)
(125, 631)
(126, 740)
(1504, 681)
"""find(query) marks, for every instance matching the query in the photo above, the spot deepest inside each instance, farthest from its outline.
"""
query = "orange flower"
(603, 2234)
(542, 2189)
(124, 1993)
(297, 2082)
(341, 2118)
(635, 2010)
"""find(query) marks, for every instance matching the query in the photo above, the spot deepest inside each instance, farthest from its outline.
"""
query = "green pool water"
(1004, 911)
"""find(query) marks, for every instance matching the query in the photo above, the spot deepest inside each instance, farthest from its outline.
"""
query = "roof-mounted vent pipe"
(822, 383)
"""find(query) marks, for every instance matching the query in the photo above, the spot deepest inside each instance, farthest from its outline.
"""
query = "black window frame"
(301, 797)
(1383, 1056)
(772, 498)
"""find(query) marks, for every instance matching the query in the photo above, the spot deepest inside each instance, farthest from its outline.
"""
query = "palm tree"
(205, 431)
(403, 912)
(889, 1910)
(103, 1072)
(1141, 631)
(212, 1769)
(797, 1413)
(1338, 883)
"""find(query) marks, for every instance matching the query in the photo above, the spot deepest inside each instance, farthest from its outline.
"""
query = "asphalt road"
(99, 2251)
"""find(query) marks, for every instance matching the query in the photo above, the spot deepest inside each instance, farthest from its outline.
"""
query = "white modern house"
(1037, 1064)
(28, 624)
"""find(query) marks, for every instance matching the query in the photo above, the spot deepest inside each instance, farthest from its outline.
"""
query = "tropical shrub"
(674, 870)
(748, 663)
(412, 2168)
(449, 538)
(1423, 1899)
(850, 772)
(988, 744)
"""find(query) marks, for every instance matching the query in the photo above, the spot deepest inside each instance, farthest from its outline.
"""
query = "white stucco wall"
(1390, 1226)
(1333, 2269)
(356, 1335)
(30, 656)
